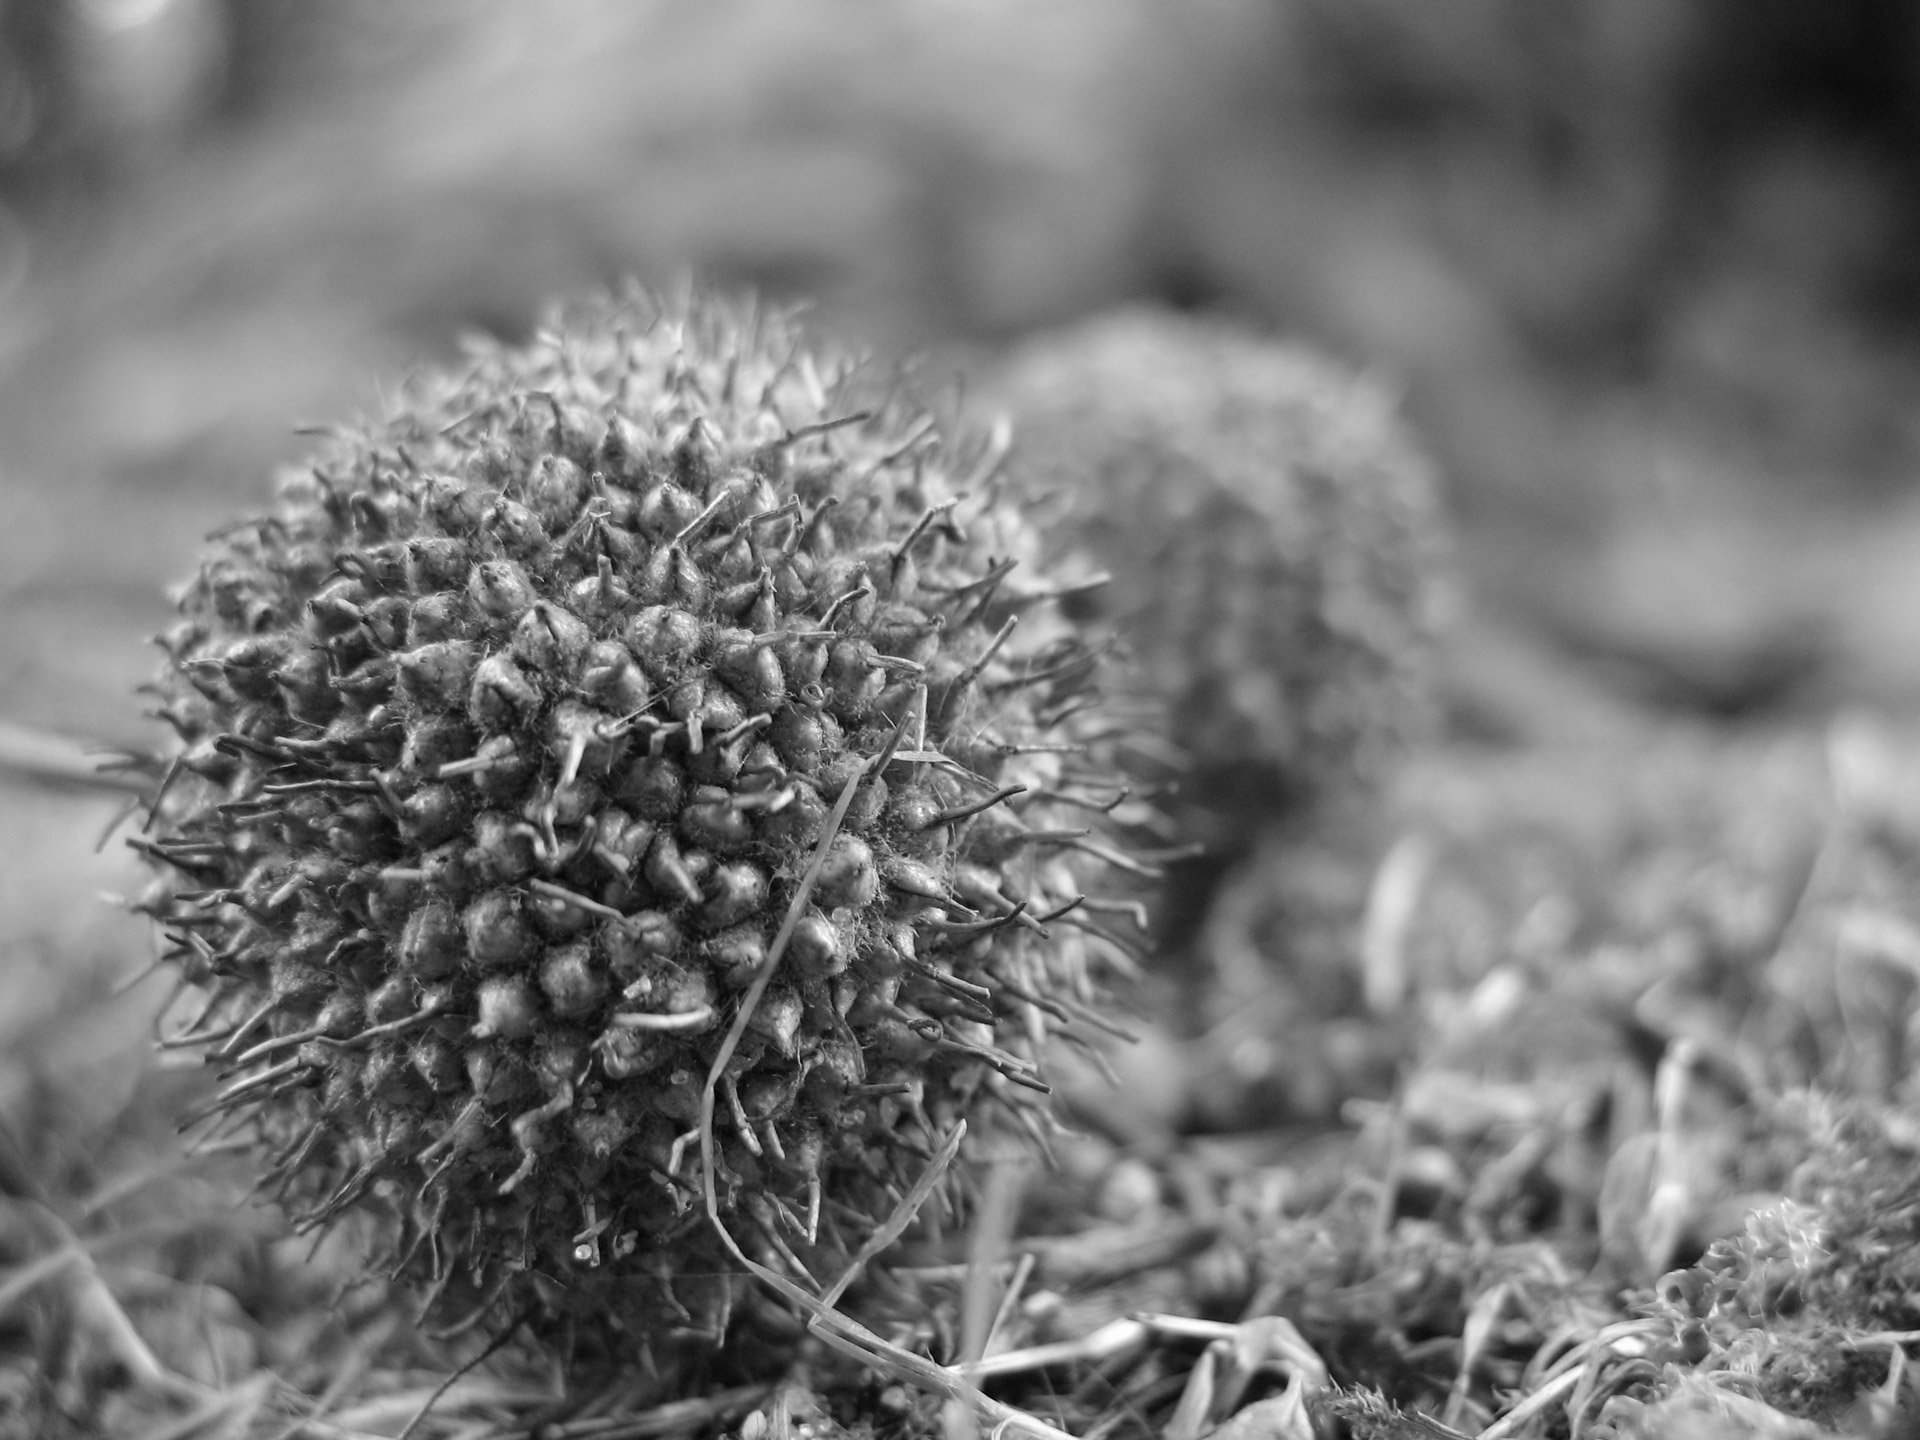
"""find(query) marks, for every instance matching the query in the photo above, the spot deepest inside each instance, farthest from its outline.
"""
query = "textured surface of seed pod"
(1272, 541)
(610, 803)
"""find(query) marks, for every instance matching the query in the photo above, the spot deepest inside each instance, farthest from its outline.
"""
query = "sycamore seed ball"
(650, 731)
(1272, 539)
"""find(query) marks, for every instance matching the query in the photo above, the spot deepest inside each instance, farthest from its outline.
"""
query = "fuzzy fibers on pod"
(644, 731)
(1273, 539)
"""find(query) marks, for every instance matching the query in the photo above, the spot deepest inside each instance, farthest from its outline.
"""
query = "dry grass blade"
(668, 1419)
(902, 1215)
(1542, 1399)
(795, 909)
(71, 1263)
(992, 1235)
(349, 1374)
(1114, 1339)
(226, 1413)
(36, 1273)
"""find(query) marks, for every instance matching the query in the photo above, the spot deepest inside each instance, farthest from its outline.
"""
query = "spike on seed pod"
(557, 679)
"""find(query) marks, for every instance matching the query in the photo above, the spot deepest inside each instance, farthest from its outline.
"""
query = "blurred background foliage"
(1644, 271)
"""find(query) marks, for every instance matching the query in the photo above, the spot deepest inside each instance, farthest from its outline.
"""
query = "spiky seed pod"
(1272, 542)
(629, 648)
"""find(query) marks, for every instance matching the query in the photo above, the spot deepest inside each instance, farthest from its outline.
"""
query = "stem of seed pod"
(190, 1038)
(961, 812)
(1066, 907)
(246, 1027)
(1078, 660)
(1050, 837)
(972, 672)
(952, 936)
(230, 743)
(474, 765)
(1100, 1022)
(1081, 802)
(679, 1020)
(1109, 856)
(576, 752)
(160, 792)
(740, 1121)
(1134, 910)
(803, 535)
(770, 1136)
(1132, 950)
(253, 1082)
(575, 898)
(965, 988)
(699, 522)
(546, 843)
(771, 801)
(807, 432)
(766, 517)
(728, 1045)
(996, 572)
(1043, 1003)
(392, 1027)
(524, 1127)
(278, 1043)
(746, 727)
(863, 588)
(301, 787)
(932, 513)
(915, 438)
(201, 857)
(1061, 592)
